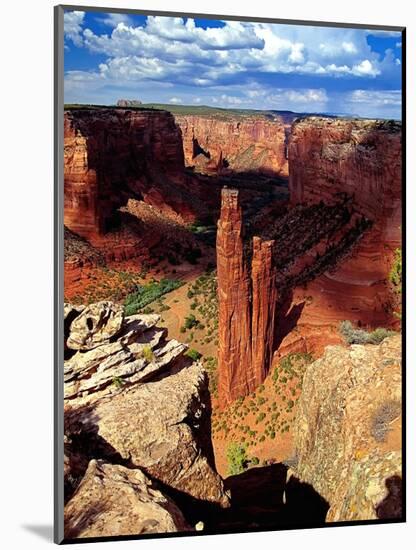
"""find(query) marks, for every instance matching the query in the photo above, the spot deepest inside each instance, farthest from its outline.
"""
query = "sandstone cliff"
(234, 311)
(246, 304)
(133, 399)
(111, 155)
(358, 163)
(348, 430)
(241, 144)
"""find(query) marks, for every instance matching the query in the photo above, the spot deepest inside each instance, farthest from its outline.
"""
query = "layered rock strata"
(357, 162)
(111, 155)
(135, 400)
(264, 298)
(348, 430)
(240, 144)
(246, 304)
(235, 377)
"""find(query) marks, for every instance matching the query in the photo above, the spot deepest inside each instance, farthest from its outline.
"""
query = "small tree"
(236, 459)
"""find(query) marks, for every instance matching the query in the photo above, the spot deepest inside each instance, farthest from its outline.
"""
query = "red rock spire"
(246, 307)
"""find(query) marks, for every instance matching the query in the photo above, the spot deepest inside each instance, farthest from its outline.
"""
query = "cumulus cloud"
(237, 48)
(175, 100)
(73, 21)
(113, 19)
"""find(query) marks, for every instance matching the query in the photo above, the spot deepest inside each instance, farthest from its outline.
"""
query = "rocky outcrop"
(139, 402)
(129, 103)
(246, 304)
(348, 430)
(235, 143)
(94, 325)
(111, 155)
(113, 500)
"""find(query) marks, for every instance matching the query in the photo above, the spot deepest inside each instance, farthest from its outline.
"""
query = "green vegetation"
(108, 284)
(236, 459)
(211, 364)
(148, 353)
(395, 278)
(193, 354)
(118, 382)
(395, 275)
(383, 417)
(190, 322)
(203, 292)
(147, 293)
(354, 335)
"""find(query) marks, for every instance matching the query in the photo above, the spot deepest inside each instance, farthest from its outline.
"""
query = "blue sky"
(231, 64)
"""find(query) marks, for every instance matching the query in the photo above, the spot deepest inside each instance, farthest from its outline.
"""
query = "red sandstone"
(239, 144)
(246, 307)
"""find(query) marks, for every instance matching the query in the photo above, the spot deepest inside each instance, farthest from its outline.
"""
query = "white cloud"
(379, 97)
(113, 19)
(73, 21)
(215, 54)
(175, 100)
(310, 100)
(365, 68)
(374, 103)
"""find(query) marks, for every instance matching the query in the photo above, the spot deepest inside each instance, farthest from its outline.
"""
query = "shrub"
(395, 275)
(190, 321)
(118, 382)
(148, 353)
(193, 354)
(254, 460)
(359, 336)
(383, 417)
(236, 459)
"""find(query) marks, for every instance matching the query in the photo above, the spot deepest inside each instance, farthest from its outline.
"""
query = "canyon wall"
(246, 303)
(330, 158)
(358, 162)
(111, 155)
(239, 144)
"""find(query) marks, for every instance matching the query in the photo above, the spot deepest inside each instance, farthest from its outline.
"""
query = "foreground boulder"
(139, 401)
(348, 430)
(94, 325)
(162, 427)
(113, 500)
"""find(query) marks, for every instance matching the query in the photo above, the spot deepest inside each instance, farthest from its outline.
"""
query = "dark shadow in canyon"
(391, 506)
(286, 316)
(198, 150)
(260, 499)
